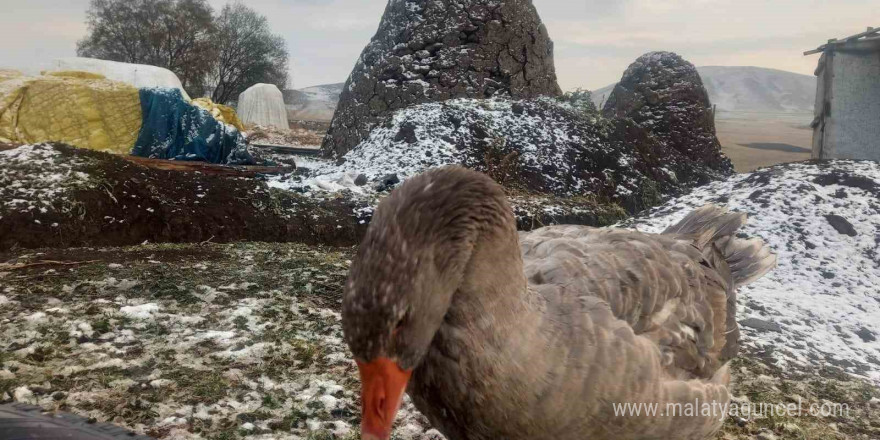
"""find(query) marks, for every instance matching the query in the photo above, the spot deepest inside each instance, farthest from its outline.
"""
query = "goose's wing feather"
(665, 288)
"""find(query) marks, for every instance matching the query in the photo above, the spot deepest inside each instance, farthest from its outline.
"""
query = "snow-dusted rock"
(537, 145)
(263, 104)
(23, 394)
(429, 51)
(750, 89)
(663, 93)
(143, 311)
(822, 303)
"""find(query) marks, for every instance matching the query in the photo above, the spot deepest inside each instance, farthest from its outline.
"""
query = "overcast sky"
(595, 39)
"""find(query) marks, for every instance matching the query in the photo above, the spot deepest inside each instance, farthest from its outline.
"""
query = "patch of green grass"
(307, 352)
(102, 326)
(769, 385)
(225, 435)
(240, 323)
(321, 434)
(651, 195)
(270, 402)
(200, 386)
(294, 419)
(41, 354)
(165, 286)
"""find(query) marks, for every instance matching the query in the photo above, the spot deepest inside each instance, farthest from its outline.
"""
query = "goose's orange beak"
(383, 383)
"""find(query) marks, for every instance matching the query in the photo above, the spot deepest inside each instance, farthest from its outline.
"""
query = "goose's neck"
(493, 287)
(493, 317)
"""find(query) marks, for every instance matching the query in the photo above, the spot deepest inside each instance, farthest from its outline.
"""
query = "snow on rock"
(137, 75)
(23, 394)
(538, 145)
(663, 93)
(263, 104)
(143, 311)
(821, 305)
(431, 51)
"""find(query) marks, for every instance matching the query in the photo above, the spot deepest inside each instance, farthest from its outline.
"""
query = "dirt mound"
(663, 93)
(434, 51)
(53, 195)
(56, 195)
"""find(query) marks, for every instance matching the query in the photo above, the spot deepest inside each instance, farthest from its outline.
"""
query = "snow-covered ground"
(204, 341)
(187, 342)
(38, 178)
(821, 305)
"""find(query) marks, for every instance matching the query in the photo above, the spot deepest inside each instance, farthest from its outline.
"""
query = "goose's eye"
(399, 325)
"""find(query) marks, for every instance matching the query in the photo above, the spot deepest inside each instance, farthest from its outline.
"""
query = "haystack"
(138, 75)
(263, 104)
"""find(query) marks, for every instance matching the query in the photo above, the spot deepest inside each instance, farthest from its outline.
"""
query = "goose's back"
(662, 287)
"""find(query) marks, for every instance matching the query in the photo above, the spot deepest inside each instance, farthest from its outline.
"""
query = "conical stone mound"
(428, 51)
(663, 94)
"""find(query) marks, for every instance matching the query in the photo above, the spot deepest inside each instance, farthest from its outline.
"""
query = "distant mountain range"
(313, 103)
(743, 90)
(739, 91)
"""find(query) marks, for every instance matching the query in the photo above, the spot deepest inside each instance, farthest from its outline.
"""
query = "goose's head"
(414, 257)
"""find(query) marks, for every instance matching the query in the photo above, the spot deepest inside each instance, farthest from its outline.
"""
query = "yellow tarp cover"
(76, 74)
(79, 110)
(220, 112)
(9, 74)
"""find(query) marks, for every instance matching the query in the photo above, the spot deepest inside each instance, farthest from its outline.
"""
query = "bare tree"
(247, 53)
(223, 54)
(174, 34)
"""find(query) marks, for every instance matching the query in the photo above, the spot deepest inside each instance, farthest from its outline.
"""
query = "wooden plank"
(828, 95)
(284, 149)
(207, 168)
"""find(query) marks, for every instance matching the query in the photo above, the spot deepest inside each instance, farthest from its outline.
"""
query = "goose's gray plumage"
(538, 335)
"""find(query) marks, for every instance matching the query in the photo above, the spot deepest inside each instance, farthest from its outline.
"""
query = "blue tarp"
(175, 129)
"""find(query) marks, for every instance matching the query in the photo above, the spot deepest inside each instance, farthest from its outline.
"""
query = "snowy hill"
(820, 305)
(750, 89)
(313, 103)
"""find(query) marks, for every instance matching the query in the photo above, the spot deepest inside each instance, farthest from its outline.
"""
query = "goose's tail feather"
(748, 259)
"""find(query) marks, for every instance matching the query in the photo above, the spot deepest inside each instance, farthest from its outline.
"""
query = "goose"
(496, 334)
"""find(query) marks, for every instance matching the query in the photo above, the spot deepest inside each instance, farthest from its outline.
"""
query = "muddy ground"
(214, 341)
(754, 142)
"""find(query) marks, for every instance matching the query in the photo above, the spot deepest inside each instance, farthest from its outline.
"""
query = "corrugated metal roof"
(871, 34)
